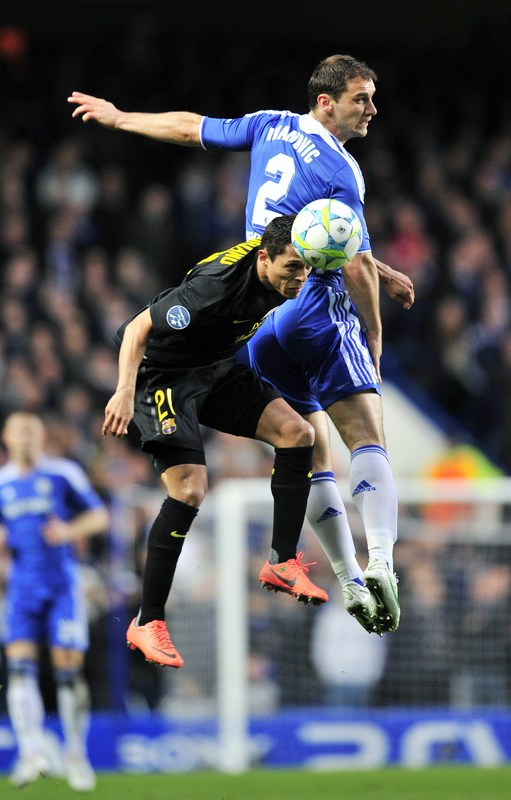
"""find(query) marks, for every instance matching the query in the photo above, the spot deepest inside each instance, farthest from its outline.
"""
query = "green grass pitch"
(443, 783)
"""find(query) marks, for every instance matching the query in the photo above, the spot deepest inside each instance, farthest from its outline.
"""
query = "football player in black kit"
(177, 371)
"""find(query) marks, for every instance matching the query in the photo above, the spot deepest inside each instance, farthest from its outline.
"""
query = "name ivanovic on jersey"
(282, 147)
(301, 143)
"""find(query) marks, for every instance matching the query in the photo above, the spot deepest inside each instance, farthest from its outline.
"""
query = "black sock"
(290, 486)
(164, 546)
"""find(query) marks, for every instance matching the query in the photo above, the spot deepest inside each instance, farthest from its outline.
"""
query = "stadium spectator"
(482, 643)
(348, 663)
(424, 636)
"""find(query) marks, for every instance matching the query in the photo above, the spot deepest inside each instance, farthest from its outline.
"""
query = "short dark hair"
(332, 75)
(277, 235)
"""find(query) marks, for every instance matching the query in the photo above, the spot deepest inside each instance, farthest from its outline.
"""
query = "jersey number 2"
(281, 170)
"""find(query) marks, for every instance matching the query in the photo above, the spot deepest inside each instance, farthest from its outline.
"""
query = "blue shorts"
(55, 616)
(312, 349)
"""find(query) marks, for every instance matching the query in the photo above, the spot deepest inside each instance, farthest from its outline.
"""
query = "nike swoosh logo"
(164, 652)
(288, 582)
(177, 535)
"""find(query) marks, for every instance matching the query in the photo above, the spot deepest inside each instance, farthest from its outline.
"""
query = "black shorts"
(172, 404)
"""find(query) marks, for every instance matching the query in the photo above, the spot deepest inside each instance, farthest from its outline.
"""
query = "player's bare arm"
(398, 286)
(361, 278)
(174, 127)
(89, 523)
(120, 408)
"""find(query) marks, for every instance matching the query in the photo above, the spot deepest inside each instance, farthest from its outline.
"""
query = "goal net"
(250, 652)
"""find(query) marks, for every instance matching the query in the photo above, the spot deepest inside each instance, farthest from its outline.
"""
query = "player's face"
(286, 274)
(352, 112)
(24, 438)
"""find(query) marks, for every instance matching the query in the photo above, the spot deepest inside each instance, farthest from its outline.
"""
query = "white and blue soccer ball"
(327, 234)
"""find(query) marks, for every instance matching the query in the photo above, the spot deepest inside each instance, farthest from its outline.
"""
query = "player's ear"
(4, 433)
(261, 263)
(324, 101)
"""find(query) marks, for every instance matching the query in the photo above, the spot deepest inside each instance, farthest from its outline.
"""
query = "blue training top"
(55, 487)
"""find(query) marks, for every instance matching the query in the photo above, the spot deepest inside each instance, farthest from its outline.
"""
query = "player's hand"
(56, 532)
(119, 412)
(399, 287)
(89, 107)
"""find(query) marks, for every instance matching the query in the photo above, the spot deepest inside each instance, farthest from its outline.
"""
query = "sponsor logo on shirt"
(27, 505)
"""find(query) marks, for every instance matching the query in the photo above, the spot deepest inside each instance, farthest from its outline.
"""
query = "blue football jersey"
(55, 487)
(294, 160)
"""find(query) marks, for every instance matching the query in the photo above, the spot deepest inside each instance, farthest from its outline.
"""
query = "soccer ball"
(326, 234)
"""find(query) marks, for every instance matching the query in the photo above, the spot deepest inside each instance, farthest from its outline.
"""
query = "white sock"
(327, 517)
(73, 702)
(374, 493)
(26, 712)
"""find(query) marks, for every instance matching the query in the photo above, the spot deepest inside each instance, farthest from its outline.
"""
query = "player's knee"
(21, 668)
(190, 491)
(297, 432)
(66, 676)
(192, 495)
(188, 484)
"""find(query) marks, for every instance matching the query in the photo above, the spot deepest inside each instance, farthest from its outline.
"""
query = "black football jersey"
(218, 306)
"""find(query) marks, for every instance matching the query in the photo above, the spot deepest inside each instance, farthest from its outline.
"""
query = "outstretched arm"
(120, 408)
(174, 127)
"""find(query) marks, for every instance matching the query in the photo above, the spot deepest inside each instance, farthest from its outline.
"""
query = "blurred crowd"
(94, 223)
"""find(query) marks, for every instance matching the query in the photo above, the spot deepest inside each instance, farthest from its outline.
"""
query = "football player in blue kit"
(46, 504)
(322, 351)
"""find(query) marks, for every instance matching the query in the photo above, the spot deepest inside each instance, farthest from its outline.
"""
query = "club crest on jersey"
(178, 317)
(168, 426)
(7, 493)
(43, 486)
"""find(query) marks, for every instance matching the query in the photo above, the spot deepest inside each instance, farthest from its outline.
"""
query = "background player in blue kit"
(324, 355)
(45, 505)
